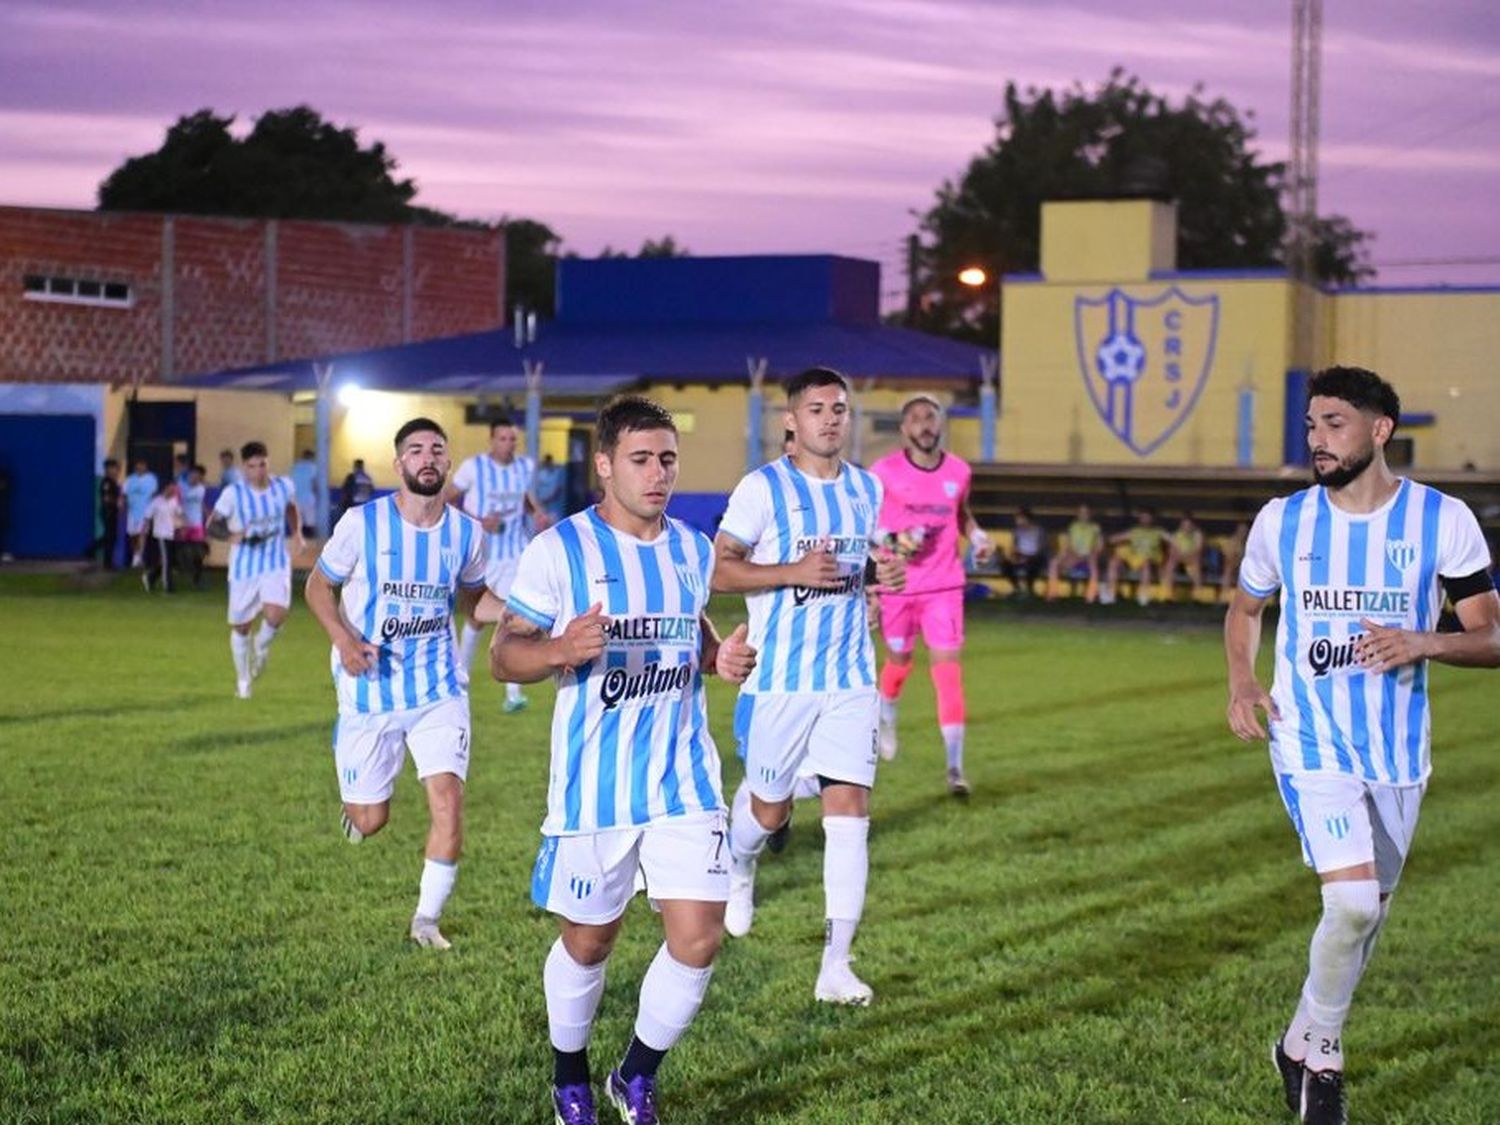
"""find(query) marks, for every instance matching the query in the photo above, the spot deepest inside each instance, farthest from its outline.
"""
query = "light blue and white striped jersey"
(1334, 569)
(260, 516)
(491, 488)
(630, 737)
(808, 640)
(398, 584)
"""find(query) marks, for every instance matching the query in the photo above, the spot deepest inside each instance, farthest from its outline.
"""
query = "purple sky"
(783, 125)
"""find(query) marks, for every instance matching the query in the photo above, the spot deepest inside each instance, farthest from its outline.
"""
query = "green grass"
(1111, 930)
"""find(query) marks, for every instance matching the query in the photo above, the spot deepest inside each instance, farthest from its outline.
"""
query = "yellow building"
(1110, 355)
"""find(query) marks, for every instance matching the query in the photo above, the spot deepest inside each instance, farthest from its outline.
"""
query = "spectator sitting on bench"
(1082, 544)
(1185, 553)
(1138, 551)
(1233, 552)
(1027, 556)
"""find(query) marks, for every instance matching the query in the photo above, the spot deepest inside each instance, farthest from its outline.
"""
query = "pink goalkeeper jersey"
(932, 498)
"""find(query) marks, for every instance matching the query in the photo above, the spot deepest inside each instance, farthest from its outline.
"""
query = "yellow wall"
(1048, 414)
(1441, 351)
(226, 420)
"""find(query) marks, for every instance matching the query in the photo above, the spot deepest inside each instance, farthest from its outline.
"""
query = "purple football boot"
(636, 1099)
(574, 1105)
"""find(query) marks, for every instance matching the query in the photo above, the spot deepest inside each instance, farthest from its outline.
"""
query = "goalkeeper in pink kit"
(923, 515)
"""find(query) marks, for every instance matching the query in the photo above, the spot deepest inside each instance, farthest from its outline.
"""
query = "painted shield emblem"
(1145, 361)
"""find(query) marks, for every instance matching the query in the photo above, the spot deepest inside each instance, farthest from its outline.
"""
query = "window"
(76, 291)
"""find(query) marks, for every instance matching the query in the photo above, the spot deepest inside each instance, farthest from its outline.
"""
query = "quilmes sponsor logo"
(1325, 655)
(398, 628)
(847, 548)
(1353, 601)
(620, 686)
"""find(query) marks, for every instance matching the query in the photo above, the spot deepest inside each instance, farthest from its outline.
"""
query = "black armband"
(1458, 589)
(869, 572)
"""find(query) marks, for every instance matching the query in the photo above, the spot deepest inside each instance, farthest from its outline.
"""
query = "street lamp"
(972, 276)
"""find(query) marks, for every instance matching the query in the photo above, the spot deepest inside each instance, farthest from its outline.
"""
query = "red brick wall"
(338, 287)
(42, 342)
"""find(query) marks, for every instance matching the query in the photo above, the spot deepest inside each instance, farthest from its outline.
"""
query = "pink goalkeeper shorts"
(939, 617)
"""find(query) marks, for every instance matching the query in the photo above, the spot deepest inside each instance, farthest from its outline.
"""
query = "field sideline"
(1111, 930)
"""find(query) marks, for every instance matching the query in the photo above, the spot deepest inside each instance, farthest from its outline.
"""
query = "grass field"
(1111, 930)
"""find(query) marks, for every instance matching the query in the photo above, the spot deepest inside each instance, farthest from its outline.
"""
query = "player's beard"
(1345, 472)
(415, 484)
(926, 443)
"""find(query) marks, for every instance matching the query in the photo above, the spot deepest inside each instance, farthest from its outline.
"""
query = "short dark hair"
(227, 453)
(500, 420)
(629, 414)
(111, 463)
(200, 470)
(1023, 510)
(180, 457)
(252, 449)
(804, 381)
(416, 426)
(1360, 388)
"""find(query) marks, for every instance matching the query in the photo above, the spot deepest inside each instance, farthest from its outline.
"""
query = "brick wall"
(211, 293)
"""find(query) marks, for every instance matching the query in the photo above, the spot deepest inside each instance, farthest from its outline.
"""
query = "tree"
(295, 165)
(291, 165)
(666, 247)
(1118, 141)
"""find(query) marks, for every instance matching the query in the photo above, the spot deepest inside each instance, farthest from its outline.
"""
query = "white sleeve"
(463, 479)
(749, 510)
(1462, 550)
(536, 594)
(472, 573)
(1260, 571)
(341, 553)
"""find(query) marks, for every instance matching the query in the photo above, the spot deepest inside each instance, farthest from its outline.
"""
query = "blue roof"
(676, 319)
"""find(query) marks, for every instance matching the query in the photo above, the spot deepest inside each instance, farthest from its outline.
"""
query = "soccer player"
(611, 603)
(1363, 560)
(1082, 543)
(495, 488)
(253, 514)
(140, 488)
(385, 589)
(795, 541)
(927, 487)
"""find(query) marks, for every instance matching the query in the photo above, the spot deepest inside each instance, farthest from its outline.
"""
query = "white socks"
(1352, 913)
(438, 876)
(846, 868)
(512, 692)
(747, 837)
(239, 645)
(953, 743)
(573, 993)
(468, 641)
(888, 708)
(671, 995)
(265, 636)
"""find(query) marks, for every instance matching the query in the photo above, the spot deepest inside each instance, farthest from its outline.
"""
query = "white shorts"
(134, 527)
(1344, 821)
(782, 736)
(590, 878)
(368, 749)
(248, 596)
(500, 575)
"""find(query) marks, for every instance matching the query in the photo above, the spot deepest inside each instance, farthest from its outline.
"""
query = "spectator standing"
(191, 538)
(110, 499)
(141, 487)
(305, 482)
(163, 518)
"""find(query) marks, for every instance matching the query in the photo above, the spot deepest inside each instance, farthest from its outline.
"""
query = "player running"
(926, 508)
(386, 587)
(795, 541)
(1363, 560)
(495, 487)
(253, 514)
(611, 602)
